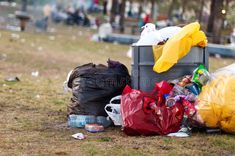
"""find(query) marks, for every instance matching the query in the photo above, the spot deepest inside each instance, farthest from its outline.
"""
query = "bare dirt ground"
(33, 111)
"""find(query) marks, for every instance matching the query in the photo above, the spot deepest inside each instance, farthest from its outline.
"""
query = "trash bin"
(144, 78)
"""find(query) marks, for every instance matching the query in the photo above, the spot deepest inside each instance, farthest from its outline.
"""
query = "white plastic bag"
(113, 111)
(168, 32)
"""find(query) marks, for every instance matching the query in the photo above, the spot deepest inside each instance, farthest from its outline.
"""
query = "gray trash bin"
(144, 78)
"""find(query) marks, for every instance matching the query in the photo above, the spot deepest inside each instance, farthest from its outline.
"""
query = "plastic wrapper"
(201, 76)
(178, 46)
(216, 103)
(147, 114)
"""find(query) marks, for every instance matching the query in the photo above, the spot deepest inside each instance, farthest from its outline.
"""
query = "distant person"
(96, 2)
(47, 14)
(47, 11)
(43, 23)
(86, 21)
(78, 17)
(147, 19)
(141, 20)
(70, 13)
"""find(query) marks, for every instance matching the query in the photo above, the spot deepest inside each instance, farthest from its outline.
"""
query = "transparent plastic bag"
(216, 103)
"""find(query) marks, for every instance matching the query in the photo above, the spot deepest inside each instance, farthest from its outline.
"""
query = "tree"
(215, 20)
(113, 10)
(201, 11)
(122, 15)
(171, 8)
(184, 5)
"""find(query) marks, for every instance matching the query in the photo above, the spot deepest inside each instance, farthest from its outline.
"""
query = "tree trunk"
(113, 10)
(215, 20)
(201, 11)
(153, 10)
(122, 15)
(105, 2)
(171, 8)
(184, 4)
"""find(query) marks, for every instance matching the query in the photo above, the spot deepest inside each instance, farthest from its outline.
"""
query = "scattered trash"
(12, 79)
(172, 108)
(32, 45)
(4, 85)
(79, 136)
(104, 121)
(182, 133)
(14, 37)
(22, 40)
(94, 38)
(3, 57)
(94, 128)
(107, 47)
(65, 86)
(78, 121)
(213, 131)
(129, 53)
(37, 96)
(35, 73)
(40, 48)
(52, 38)
(113, 110)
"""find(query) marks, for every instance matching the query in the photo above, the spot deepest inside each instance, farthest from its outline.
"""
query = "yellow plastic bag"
(216, 103)
(178, 46)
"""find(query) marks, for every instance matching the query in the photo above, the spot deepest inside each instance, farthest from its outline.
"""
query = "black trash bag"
(94, 85)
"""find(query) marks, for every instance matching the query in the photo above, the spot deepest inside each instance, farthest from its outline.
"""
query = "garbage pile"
(103, 96)
(92, 88)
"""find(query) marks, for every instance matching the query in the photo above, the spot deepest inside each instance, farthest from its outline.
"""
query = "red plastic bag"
(146, 114)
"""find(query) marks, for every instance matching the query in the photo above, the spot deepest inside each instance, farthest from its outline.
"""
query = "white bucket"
(113, 110)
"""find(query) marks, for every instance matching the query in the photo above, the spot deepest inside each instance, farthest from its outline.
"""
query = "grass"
(33, 110)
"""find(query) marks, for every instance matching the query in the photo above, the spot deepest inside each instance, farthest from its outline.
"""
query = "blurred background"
(217, 17)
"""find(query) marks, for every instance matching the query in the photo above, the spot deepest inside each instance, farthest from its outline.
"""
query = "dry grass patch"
(33, 111)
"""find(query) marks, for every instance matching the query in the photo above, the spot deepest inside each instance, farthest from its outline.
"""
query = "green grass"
(33, 110)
